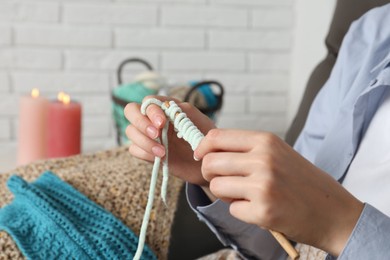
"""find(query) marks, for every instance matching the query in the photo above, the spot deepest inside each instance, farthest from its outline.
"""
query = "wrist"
(342, 228)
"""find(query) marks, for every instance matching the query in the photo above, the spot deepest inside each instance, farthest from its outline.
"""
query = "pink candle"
(32, 124)
(63, 127)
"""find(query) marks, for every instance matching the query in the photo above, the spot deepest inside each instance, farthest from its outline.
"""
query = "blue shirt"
(335, 126)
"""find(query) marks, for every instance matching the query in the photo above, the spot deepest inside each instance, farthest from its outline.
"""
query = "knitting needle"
(285, 243)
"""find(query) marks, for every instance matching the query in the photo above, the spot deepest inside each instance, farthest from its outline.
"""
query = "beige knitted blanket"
(113, 179)
(305, 252)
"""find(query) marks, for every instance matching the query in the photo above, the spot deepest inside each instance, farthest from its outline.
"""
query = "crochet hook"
(285, 243)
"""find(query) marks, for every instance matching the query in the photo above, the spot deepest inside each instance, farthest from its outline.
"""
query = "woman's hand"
(274, 187)
(143, 131)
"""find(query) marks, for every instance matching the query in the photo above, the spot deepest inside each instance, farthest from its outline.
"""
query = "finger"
(225, 164)
(226, 140)
(141, 122)
(145, 143)
(155, 113)
(241, 209)
(200, 120)
(140, 153)
(230, 188)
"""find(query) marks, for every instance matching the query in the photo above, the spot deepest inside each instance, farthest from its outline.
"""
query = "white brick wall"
(5, 38)
(12, 11)
(110, 14)
(22, 58)
(4, 83)
(159, 38)
(5, 129)
(63, 36)
(206, 17)
(76, 46)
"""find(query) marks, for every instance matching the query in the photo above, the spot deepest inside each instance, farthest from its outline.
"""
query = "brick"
(64, 36)
(250, 40)
(15, 127)
(5, 129)
(107, 60)
(275, 124)
(274, 61)
(234, 104)
(110, 14)
(203, 61)
(177, 78)
(4, 83)
(9, 105)
(8, 155)
(6, 36)
(72, 1)
(271, 83)
(29, 12)
(267, 104)
(244, 122)
(30, 59)
(96, 126)
(166, 1)
(71, 82)
(251, 82)
(204, 16)
(273, 18)
(95, 104)
(251, 3)
(159, 38)
(91, 145)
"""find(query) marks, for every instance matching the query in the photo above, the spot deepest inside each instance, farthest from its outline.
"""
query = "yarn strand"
(185, 129)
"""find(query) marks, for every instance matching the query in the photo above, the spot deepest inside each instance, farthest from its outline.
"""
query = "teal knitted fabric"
(49, 219)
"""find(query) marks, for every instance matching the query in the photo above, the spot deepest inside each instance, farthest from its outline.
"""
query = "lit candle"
(32, 124)
(63, 127)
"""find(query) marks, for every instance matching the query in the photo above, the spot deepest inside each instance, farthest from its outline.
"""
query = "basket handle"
(131, 60)
(219, 96)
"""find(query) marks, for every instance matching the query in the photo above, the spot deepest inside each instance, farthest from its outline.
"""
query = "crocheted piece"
(114, 180)
(223, 254)
(49, 219)
(310, 253)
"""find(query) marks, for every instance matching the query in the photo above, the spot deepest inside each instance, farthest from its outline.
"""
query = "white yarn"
(185, 129)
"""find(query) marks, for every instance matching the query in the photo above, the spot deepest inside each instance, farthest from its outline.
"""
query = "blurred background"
(262, 51)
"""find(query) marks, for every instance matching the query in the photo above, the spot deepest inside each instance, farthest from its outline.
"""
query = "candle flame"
(60, 96)
(35, 92)
(66, 99)
(63, 97)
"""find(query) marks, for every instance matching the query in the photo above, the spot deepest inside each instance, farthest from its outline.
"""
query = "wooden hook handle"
(285, 243)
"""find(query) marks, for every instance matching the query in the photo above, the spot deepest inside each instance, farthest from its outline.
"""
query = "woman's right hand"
(143, 131)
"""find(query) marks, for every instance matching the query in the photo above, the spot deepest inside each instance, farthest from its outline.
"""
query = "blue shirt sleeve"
(370, 238)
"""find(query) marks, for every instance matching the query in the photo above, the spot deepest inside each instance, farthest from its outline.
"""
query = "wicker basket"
(211, 91)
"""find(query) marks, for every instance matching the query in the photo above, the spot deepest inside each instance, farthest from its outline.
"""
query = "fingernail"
(152, 132)
(158, 151)
(158, 120)
(196, 158)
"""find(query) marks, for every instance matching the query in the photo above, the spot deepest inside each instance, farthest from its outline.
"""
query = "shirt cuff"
(249, 240)
(370, 237)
